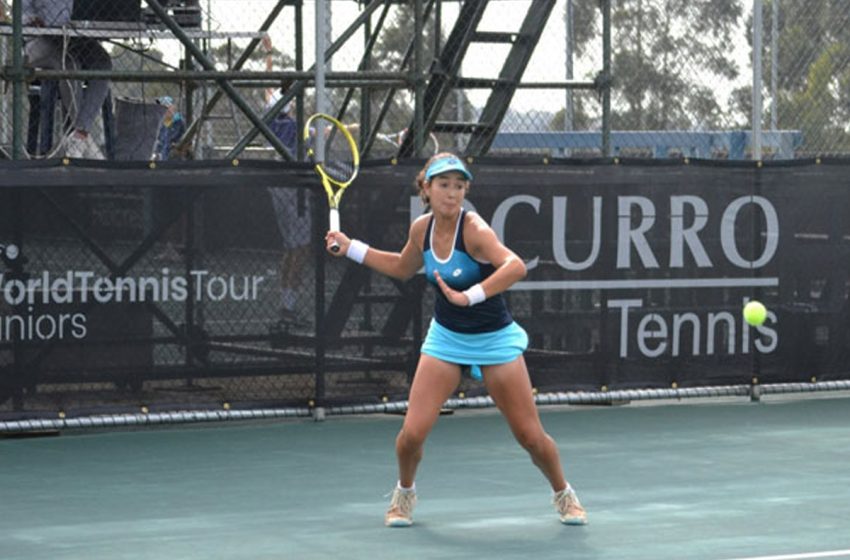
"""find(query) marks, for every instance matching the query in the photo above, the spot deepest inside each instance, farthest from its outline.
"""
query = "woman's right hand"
(333, 238)
(455, 297)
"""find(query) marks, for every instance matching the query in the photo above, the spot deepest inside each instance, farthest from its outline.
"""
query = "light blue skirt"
(476, 349)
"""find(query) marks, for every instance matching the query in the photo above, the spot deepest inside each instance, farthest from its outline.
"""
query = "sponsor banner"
(637, 276)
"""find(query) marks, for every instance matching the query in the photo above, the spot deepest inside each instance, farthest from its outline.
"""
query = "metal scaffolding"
(426, 79)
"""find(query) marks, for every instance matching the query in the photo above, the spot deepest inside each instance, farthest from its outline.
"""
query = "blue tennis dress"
(484, 334)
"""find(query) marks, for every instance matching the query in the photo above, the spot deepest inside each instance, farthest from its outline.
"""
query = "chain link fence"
(207, 287)
(682, 80)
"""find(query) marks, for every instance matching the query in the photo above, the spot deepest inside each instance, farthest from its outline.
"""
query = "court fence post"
(319, 310)
(18, 82)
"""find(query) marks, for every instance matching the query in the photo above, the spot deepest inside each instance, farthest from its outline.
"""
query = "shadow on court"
(694, 481)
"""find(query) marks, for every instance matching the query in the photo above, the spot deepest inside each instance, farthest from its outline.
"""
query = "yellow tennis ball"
(755, 313)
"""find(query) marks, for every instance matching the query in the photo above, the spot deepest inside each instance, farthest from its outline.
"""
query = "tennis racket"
(334, 154)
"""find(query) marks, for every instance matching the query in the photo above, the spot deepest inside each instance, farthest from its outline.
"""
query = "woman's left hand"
(455, 297)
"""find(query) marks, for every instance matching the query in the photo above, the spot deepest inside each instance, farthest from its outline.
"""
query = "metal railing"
(632, 67)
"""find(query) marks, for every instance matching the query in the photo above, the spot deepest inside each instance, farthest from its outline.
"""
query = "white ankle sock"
(403, 489)
(566, 489)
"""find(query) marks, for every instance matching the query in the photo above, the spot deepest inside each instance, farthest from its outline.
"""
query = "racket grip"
(333, 220)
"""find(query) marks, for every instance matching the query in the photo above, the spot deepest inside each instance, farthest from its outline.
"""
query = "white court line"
(644, 283)
(801, 556)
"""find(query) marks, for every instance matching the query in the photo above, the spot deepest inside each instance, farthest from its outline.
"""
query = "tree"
(813, 89)
(667, 55)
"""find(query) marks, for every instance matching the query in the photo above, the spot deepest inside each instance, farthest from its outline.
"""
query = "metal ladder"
(444, 78)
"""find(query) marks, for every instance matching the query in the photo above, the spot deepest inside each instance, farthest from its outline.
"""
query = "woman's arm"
(400, 265)
(483, 245)
(266, 42)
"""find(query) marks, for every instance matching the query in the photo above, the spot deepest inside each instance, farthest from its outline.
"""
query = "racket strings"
(338, 171)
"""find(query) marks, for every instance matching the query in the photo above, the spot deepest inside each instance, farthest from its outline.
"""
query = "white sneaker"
(569, 508)
(81, 147)
(75, 147)
(400, 513)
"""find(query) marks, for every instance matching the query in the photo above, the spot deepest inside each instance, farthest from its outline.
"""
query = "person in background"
(49, 52)
(472, 326)
(292, 209)
(171, 129)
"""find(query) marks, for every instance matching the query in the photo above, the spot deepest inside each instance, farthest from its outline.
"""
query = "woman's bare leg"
(510, 387)
(433, 384)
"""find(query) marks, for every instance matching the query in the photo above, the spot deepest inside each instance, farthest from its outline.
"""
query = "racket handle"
(334, 226)
(334, 219)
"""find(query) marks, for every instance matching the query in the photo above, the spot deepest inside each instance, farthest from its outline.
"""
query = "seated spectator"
(78, 53)
(171, 129)
(293, 210)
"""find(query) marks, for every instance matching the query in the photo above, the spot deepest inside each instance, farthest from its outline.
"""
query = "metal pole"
(18, 82)
(321, 107)
(4, 101)
(299, 66)
(419, 100)
(606, 76)
(376, 78)
(208, 146)
(757, 81)
(366, 93)
(321, 94)
(329, 24)
(569, 117)
(774, 61)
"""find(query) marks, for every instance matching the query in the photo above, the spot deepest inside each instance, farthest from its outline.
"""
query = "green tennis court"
(697, 480)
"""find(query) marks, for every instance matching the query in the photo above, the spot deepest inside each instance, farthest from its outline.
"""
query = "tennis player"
(471, 326)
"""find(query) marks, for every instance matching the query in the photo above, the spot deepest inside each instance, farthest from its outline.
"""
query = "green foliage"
(581, 117)
(814, 72)
(666, 53)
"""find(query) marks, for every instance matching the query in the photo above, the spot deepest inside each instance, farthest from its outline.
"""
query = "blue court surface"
(713, 480)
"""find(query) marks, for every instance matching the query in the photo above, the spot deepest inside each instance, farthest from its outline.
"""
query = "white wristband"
(475, 294)
(357, 251)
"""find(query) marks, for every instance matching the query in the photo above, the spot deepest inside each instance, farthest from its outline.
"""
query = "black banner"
(198, 285)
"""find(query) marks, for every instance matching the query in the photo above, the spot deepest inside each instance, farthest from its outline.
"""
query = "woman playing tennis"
(471, 326)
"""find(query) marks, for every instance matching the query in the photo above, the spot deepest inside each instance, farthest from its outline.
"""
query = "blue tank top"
(460, 271)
